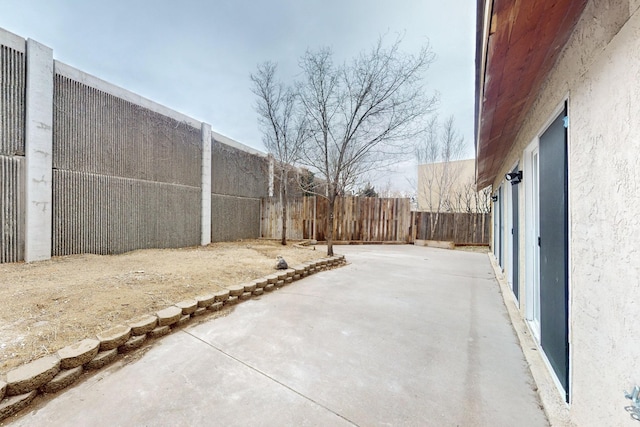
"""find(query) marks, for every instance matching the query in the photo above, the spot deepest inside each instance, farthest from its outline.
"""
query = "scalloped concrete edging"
(52, 373)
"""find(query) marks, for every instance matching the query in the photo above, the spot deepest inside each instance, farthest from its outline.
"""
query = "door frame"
(532, 231)
(506, 233)
(498, 227)
(514, 236)
(494, 217)
(534, 146)
(501, 226)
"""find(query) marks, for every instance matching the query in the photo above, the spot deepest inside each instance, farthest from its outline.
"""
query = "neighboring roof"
(519, 43)
(464, 163)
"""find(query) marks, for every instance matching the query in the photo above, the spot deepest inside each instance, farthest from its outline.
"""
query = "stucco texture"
(604, 202)
(598, 74)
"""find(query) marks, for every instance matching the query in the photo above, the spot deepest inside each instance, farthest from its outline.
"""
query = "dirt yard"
(48, 305)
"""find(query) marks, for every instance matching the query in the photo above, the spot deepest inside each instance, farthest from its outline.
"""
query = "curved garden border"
(55, 372)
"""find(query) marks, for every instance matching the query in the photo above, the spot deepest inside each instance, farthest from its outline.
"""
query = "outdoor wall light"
(514, 177)
(494, 198)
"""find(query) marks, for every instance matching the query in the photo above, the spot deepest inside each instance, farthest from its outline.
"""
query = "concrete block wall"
(86, 166)
(54, 372)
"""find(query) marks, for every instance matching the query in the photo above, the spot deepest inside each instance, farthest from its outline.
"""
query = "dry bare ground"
(48, 305)
(477, 249)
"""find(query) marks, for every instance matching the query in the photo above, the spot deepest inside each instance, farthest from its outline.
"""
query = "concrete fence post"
(205, 218)
(38, 152)
(271, 178)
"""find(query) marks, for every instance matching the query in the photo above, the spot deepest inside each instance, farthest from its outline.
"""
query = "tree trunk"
(434, 225)
(332, 201)
(284, 221)
(283, 200)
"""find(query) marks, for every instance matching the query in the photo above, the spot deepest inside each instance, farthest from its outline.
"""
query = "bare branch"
(445, 184)
(284, 130)
(362, 115)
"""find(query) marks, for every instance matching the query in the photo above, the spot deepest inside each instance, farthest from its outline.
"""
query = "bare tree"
(390, 191)
(439, 150)
(441, 188)
(467, 199)
(482, 200)
(361, 113)
(367, 191)
(283, 129)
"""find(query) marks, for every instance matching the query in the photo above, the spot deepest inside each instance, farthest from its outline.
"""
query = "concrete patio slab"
(403, 335)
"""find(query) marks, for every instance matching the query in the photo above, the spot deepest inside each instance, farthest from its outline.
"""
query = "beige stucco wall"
(462, 177)
(599, 74)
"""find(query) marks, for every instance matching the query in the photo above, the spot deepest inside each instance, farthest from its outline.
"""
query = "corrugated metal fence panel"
(234, 218)
(106, 215)
(12, 101)
(11, 209)
(99, 133)
(461, 228)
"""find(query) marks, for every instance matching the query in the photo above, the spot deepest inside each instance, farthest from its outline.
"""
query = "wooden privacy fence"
(461, 228)
(369, 219)
(301, 218)
(356, 219)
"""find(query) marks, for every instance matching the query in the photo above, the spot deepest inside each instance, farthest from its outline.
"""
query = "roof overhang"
(518, 43)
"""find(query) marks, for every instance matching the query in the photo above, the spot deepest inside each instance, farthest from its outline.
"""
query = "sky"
(196, 56)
